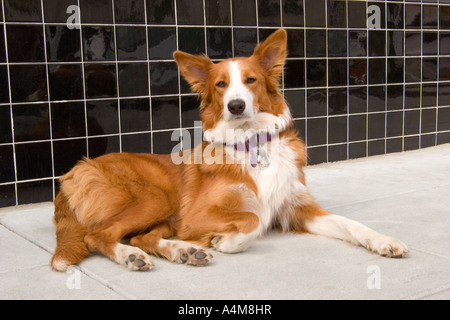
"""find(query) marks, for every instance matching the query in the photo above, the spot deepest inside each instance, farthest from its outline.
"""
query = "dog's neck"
(258, 139)
(253, 146)
(250, 136)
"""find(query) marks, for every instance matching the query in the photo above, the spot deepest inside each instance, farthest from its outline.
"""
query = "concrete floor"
(403, 195)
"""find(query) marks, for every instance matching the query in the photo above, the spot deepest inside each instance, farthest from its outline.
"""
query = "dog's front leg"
(316, 220)
(226, 231)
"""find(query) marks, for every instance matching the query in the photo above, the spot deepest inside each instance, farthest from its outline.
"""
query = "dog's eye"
(221, 84)
(250, 80)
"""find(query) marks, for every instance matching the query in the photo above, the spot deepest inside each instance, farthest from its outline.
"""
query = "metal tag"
(263, 159)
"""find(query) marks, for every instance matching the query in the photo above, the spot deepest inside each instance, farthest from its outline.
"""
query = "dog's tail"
(71, 248)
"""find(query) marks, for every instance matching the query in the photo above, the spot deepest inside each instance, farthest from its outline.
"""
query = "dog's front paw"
(138, 262)
(212, 136)
(232, 243)
(194, 256)
(387, 247)
(134, 258)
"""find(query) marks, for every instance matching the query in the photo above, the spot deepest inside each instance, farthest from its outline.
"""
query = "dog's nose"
(236, 107)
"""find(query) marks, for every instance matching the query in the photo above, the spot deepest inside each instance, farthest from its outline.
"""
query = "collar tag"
(258, 156)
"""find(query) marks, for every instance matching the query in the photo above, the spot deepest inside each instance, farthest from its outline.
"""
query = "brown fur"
(148, 198)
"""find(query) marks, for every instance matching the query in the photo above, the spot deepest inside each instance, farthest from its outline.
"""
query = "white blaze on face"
(237, 91)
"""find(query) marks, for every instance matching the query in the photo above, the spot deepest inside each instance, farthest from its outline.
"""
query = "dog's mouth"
(240, 118)
(240, 127)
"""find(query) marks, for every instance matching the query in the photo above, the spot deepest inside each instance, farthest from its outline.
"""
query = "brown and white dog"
(244, 179)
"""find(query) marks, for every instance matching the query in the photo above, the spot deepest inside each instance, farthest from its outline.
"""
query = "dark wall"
(113, 86)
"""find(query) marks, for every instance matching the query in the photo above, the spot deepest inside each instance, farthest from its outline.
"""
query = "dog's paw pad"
(194, 256)
(139, 262)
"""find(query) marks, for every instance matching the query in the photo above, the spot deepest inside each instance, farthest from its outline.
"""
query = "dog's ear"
(195, 69)
(271, 54)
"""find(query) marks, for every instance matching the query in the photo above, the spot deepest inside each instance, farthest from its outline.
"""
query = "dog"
(244, 178)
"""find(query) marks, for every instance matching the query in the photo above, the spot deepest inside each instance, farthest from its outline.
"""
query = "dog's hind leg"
(106, 240)
(156, 242)
(134, 219)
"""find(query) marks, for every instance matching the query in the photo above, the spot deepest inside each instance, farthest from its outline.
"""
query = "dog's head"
(240, 93)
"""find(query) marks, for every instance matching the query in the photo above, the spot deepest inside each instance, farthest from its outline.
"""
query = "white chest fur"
(279, 187)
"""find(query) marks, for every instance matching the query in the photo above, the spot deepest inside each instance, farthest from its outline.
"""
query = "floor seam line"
(380, 198)
(428, 293)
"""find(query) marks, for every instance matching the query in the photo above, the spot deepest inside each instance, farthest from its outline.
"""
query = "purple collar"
(252, 146)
